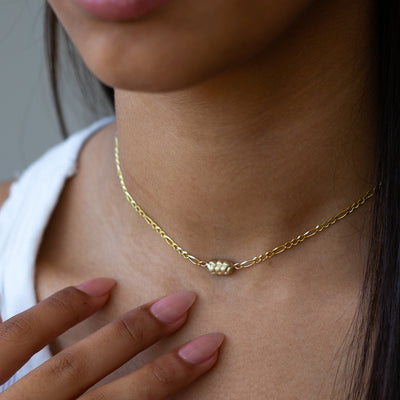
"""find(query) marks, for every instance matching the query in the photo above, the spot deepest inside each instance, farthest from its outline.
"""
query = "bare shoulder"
(4, 191)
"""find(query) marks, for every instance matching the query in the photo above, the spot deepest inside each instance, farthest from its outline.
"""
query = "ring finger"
(166, 375)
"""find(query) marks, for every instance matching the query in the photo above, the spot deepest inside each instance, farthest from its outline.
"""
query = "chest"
(281, 344)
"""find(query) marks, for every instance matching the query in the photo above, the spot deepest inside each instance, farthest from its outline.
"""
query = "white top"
(23, 220)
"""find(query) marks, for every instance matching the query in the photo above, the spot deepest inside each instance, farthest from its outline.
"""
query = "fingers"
(83, 364)
(25, 334)
(166, 375)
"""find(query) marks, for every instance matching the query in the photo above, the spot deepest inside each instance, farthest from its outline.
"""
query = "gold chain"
(224, 267)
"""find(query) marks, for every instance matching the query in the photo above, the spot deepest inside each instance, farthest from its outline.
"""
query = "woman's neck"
(262, 151)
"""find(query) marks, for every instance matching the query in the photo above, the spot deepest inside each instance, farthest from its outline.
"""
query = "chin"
(178, 47)
(156, 79)
(152, 70)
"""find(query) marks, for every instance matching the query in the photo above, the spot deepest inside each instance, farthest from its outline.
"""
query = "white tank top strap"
(23, 220)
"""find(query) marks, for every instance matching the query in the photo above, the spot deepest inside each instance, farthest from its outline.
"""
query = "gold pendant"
(220, 267)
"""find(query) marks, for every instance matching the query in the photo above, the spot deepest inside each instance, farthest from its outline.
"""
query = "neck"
(262, 152)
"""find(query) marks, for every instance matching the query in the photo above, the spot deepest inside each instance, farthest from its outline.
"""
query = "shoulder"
(4, 191)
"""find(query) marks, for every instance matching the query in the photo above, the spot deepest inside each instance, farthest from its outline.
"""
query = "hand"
(73, 371)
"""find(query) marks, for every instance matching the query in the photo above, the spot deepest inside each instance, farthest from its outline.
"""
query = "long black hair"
(98, 97)
(377, 337)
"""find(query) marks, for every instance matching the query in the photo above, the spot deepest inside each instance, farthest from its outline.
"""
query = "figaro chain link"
(223, 267)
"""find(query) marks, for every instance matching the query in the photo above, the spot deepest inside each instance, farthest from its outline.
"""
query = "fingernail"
(169, 309)
(97, 287)
(202, 348)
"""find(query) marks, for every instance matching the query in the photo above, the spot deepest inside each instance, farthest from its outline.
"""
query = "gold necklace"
(225, 267)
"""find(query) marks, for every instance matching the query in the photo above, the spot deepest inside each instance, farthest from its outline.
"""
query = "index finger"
(25, 334)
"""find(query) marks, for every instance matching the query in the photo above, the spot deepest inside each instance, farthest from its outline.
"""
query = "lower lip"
(119, 10)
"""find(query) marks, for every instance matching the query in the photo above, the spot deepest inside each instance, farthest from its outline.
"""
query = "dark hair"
(98, 97)
(377, 331)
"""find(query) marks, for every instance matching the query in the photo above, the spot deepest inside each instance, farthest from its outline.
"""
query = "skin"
(265, 130)
(78, 367)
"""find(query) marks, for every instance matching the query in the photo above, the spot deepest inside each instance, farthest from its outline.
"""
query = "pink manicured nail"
(171, 308)
(97, 287)
(202, 348)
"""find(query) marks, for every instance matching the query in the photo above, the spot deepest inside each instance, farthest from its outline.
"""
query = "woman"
(240, 126)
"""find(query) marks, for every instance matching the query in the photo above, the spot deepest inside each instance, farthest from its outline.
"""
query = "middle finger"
(83, 364)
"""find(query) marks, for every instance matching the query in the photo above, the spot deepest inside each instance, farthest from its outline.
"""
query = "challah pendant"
(220, 267)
